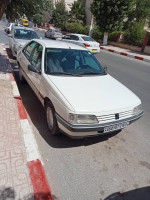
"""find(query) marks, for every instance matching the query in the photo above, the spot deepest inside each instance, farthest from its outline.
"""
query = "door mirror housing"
(33, 69)
(105, 69)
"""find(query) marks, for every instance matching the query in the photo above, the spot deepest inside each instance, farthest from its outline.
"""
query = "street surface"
(95, 168)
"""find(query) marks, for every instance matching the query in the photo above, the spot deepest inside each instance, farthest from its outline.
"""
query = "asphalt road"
(116, 166)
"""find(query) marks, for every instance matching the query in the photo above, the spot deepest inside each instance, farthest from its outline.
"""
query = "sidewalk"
(126, 52)
(22, 175)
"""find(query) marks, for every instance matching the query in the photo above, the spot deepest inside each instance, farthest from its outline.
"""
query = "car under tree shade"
(80, 98)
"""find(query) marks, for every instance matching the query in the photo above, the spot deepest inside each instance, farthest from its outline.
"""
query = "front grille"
(111, 117)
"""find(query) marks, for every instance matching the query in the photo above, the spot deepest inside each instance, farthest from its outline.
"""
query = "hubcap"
(50, 120)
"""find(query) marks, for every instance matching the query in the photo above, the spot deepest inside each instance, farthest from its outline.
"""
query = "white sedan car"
(83, 40)
(20, 36)
(79, 97)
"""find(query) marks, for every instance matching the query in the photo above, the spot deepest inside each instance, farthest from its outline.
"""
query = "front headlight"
(82, 119)
(137, 109)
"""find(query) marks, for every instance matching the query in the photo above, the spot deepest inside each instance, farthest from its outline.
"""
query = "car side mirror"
(105, 69)
(33, 69)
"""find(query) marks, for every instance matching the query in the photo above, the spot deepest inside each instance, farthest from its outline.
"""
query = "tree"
(139, 13)
(109, 14)
(15, 9)
(77, 13)
(59, 15)
(3, 6)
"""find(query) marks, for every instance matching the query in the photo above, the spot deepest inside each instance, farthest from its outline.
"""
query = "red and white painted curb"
(125, 54)
(38, 178)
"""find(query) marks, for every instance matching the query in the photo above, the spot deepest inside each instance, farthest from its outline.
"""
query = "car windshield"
(71, 62)
(86, 38)
(25, 34)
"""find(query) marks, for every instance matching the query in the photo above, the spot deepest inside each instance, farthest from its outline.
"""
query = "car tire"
(51, 119)
(21, 77)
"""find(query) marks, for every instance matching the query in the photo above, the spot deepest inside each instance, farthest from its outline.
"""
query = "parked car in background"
(19, 36)
(53, 34)
(10, 26)
(25, 22)
(78, 95)
(83, 40)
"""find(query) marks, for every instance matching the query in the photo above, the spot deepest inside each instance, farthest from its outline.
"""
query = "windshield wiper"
(91, 73)
(62, 73)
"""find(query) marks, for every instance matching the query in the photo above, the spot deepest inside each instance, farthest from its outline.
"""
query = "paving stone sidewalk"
(15, 182)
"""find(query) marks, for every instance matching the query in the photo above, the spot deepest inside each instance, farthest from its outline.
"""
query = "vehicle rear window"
(86, 38)
(71, 62)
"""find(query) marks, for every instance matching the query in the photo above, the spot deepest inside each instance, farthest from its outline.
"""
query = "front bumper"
(91, 129)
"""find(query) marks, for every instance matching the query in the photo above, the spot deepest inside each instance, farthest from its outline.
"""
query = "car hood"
(95, 94)
(21, 42)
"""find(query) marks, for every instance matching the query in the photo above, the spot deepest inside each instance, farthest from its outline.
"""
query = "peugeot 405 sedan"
(20, 36)
(80, 98)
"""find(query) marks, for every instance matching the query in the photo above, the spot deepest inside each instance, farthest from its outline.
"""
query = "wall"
(147, 50)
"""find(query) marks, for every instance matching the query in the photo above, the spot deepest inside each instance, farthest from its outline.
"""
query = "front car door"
(36, 61)
(24, 59)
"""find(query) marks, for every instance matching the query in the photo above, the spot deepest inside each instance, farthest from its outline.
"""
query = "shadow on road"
(37, 115)
(137, 194)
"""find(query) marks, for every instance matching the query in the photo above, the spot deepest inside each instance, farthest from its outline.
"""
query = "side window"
(74, 37)
(28, 49)
(36, 57)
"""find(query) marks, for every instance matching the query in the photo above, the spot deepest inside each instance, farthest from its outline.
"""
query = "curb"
(125, 54)
(35, 166)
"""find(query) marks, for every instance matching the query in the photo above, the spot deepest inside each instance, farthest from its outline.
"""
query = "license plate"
(116, 127)
(94, 49)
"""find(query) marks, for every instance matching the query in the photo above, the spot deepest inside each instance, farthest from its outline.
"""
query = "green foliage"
(59, 15)
(109, 14)
(134, 35)
(97, 34)
(77, 13)
(113, 36)
(16, 9)
(74, 27)
(86, 30)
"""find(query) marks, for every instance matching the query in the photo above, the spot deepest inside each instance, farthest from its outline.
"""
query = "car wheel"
(51, 119)
(21, 77)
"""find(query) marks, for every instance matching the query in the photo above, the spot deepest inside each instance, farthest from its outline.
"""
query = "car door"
(35, 73)
(24, 59)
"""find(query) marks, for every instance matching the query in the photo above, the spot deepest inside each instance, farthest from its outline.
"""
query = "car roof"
(23, 28)
(58, 44)
(77, 34)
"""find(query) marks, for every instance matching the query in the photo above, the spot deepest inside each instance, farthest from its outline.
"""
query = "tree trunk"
(3, 6)
(91, 26)
(105, 38)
